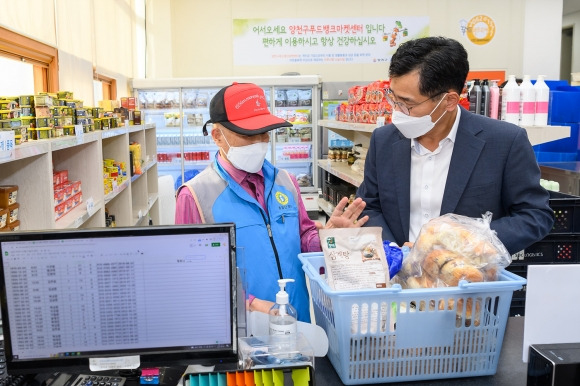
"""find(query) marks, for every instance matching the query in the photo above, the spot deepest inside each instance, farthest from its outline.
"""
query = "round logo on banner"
(480, 29)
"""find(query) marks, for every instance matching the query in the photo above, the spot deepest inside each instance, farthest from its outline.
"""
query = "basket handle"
(309, 269)
(464, 284)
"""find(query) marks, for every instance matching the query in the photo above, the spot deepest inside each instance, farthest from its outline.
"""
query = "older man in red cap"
(264, 202)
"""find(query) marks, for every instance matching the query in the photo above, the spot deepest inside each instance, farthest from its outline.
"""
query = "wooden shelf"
(82, 156)
(342, 170)
(543, 134)
(536, 134)
(325, 206)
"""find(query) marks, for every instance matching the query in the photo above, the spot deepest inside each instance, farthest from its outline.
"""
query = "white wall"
(87, 33)
(542, 41)
(573, 20)
(201, 34)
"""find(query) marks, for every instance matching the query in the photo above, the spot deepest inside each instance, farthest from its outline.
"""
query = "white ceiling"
(571, 6)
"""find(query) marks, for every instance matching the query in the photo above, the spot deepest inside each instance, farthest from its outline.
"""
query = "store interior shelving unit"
(361, 133)
(179, 107)
(132, 203)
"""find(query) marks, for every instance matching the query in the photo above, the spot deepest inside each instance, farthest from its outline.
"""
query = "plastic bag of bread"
(451, 248)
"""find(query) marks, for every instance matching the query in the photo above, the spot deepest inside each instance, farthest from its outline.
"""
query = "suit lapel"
(402, 162)
(466, 152)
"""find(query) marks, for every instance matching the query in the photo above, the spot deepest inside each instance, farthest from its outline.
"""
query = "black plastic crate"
(519, 269)
(554, 248)
(566, 212)
(518, 307)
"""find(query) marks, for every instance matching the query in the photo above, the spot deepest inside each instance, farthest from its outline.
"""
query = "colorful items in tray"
(114, 174)
(53, 115)
(9, 208)
(67, 194)
(365, 104)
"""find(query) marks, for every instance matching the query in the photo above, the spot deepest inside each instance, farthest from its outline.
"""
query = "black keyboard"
(14, 380)
(3, 373)
(98, 380)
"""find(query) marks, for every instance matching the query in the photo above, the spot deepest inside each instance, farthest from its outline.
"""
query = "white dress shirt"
(428, 176)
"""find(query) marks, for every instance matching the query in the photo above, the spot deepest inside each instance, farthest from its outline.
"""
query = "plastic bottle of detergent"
(528, 102)
(283, 316)
(542, 102)
(475, 97)
(510, 110)
(485, 95)
(493, 100)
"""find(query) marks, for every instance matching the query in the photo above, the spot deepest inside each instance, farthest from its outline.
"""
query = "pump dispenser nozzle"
(282, 295)
(282, 315)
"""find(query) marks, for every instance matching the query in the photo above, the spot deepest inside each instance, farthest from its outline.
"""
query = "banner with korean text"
(322, 41)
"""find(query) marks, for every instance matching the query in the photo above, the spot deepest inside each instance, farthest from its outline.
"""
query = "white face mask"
(415, 127)
(249, 158)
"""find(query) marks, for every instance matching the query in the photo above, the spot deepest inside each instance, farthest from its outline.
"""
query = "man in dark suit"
(437, 158)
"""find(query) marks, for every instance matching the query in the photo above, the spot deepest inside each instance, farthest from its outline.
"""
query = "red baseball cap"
(242, 108)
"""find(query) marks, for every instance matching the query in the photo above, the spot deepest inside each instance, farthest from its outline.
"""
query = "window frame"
(109, 86)
(43, 57)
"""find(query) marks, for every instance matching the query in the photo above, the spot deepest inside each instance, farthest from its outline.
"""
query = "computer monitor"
(164, 293)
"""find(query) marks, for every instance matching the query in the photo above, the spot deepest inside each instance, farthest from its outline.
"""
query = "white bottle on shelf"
(542, 102)
(493, 100)
(528, 102)
(510, 110)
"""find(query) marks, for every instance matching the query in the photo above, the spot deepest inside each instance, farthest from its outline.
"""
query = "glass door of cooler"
(198, 150)
(163, 108)
(293, 148)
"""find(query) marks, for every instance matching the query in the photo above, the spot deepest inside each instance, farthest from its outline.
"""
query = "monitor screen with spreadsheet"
(159, 293)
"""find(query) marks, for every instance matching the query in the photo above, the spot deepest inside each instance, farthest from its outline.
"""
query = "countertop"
(511, 370)
(571, 166)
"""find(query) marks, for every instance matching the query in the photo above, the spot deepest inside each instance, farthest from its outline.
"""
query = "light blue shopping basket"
(395, 335)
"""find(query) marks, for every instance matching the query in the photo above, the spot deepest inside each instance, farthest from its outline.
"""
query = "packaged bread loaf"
(451, 248)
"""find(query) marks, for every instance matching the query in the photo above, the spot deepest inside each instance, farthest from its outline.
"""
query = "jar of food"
(43, 132)
(26, 100)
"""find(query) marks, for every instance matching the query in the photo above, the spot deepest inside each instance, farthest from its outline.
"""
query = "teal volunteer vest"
(220, 199)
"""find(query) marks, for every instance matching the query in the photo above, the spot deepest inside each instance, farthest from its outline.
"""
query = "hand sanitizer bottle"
(283, 315)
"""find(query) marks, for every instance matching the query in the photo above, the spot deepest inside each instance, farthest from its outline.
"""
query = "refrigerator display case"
(180, 106)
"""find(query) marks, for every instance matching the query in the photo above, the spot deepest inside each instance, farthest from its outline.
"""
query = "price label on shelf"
(7, 143)
(90, 206)
(79, 133)
(380, 121)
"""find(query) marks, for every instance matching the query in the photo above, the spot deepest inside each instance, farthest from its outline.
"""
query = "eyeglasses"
(390, 97)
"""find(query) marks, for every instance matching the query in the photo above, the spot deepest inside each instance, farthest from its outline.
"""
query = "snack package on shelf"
(451, 248)
(135, 158)
(366, 104)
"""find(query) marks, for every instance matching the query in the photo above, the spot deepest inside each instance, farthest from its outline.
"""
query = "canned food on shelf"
(26, 100)
(57, 132)
(43, 132)
(6, 114)
(26, 111)
(64, 94)
(68, 130)
(28, 121)
(20, 130)
(3, 217)
(44, 122)
(4, 104)
(32, 134)
(43, 100)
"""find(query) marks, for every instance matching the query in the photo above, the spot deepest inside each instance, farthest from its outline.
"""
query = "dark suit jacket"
(493, 168)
